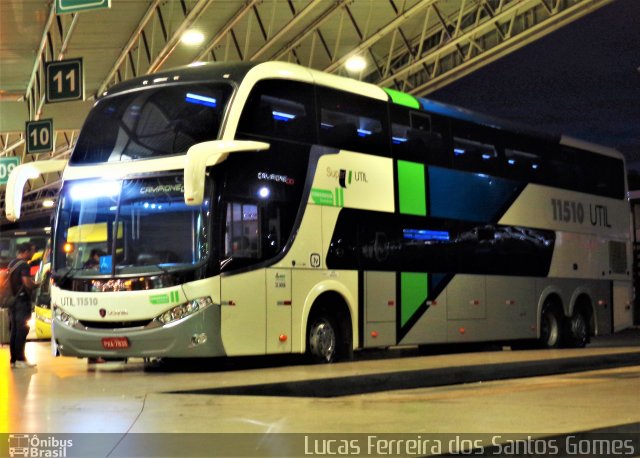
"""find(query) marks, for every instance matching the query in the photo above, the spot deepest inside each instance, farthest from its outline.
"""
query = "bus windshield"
(128, 227)
(151, 123)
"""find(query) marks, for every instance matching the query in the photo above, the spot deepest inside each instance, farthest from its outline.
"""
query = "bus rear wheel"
(323, 337)
(578, 330)
(550, 327)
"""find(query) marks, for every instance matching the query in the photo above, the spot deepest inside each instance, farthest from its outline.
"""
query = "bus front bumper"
(197, 335)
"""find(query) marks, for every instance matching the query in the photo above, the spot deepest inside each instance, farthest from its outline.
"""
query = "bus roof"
(236, 71)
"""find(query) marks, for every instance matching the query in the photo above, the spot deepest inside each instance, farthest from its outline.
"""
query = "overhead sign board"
(64, 80)
(39, 136)
(7, 164)
(74, 6)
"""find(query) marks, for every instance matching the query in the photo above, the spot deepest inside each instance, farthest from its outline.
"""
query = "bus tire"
(550, 326)
(323, 338)
(577, 332)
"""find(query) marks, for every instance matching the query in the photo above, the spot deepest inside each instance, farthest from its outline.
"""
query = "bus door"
(243, 313)
(242, 287)
(256, 300)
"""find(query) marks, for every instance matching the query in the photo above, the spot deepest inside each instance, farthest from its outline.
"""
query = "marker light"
(68, 247)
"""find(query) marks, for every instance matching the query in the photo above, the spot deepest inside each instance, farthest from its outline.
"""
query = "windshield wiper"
(163, 269)
(67, 274)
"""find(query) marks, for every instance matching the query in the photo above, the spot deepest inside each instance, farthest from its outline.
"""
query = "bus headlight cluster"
(184, 310)
(64, 317)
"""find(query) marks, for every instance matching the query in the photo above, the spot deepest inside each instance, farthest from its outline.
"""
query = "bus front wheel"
(323, 338)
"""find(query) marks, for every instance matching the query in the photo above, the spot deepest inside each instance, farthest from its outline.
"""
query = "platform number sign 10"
(40, 136)
(65, 81)
(7, 164)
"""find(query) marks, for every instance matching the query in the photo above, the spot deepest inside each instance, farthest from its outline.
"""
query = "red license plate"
(115, 343)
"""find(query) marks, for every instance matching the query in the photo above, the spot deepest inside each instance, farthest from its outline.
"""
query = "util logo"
(346, 177)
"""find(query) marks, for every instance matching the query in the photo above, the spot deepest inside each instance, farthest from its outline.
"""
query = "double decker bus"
(267, 208)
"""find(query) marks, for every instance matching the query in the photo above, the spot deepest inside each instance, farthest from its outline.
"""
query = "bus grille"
(115, 324)
(617, 257)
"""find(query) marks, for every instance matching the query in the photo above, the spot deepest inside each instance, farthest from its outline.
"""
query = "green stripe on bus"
(400, 98)
(414, 290)
(322, 197)
(411, 188)
(339, 198)
(159, 299)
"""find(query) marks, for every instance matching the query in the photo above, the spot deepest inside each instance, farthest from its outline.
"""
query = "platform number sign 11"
(40, 136)
(65, 81)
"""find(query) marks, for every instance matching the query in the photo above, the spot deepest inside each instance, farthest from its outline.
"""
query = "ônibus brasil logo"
(31, 445)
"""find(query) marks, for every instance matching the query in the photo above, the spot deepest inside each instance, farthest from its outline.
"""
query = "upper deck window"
(418, 136)
(280, 109)
(353, 122)
(151, 123)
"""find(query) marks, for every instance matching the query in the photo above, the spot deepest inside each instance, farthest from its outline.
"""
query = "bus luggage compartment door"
(380, 309)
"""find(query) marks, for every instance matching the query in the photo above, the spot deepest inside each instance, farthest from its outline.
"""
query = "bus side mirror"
(19, 177)
(206, 154)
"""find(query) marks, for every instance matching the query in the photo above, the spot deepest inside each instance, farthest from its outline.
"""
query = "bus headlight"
(64, 317)
(184, 310)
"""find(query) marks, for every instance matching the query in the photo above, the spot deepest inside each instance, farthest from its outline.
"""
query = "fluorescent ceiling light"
(355, 64)
(192, 37)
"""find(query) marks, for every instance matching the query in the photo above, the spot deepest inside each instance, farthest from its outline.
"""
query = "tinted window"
(348, 121)
(261, 196)
(151, 123)
(280, 109)
(132, 226)
(524, 165)
(588, 172)
(475, 156)
(418, 136)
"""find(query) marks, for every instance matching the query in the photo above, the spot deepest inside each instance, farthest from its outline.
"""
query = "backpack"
(7, 296)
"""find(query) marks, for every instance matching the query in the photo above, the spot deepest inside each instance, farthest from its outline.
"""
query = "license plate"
(115, 343)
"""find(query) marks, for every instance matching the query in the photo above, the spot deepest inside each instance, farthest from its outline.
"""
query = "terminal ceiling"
(414, 46)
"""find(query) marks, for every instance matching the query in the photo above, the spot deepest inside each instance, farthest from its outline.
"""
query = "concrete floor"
(66, 395)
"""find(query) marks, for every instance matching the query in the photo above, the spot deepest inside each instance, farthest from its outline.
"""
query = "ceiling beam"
(133, 40)
(510, 44)
(239, 14)
(380, 33)
(294, 21)
(310, 29)
(192, 17)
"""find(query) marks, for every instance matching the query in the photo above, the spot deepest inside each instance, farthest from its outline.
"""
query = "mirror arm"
(207, 154)
(18, 178)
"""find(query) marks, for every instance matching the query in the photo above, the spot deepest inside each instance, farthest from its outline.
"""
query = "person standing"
(21, 285)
